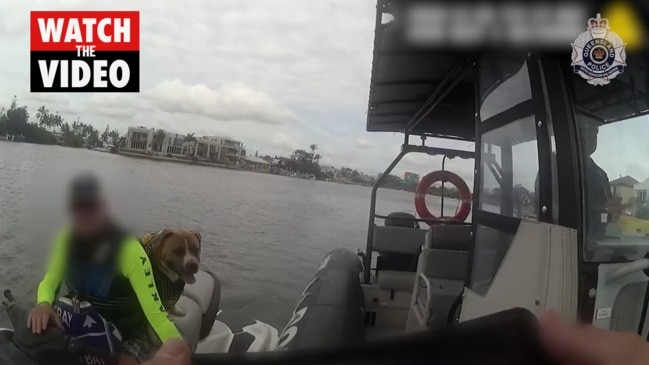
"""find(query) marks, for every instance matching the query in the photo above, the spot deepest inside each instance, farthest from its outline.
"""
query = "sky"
(278, 75)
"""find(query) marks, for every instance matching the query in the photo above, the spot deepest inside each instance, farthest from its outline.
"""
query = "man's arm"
(135, 265)
(49, 286)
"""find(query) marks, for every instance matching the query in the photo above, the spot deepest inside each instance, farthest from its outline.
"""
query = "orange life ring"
(446, 176)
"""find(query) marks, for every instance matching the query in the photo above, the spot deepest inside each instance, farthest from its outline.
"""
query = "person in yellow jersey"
(103, 265)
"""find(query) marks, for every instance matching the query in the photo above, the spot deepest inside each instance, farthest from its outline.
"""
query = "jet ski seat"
(441, 273)
(200, 303)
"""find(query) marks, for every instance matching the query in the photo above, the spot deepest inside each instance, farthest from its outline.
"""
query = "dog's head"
(178, 253)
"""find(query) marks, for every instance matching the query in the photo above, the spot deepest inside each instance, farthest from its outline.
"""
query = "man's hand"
(172, 352)
(40, 317)
(573, 344)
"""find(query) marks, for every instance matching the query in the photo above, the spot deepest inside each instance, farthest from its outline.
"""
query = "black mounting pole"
(367, 259)
(441, 214)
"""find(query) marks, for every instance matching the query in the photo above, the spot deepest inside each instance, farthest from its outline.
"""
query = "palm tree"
(313, 147)
(76, 127)
(317, 158)
(190, 137)
(56, 120)
(105, 135)
(66, 131)
(43, 116)
(114, 136)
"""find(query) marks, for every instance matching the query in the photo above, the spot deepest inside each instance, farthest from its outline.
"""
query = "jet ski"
(329, 313)
(507, 337)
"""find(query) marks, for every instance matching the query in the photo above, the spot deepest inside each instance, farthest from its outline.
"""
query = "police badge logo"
(598, 54)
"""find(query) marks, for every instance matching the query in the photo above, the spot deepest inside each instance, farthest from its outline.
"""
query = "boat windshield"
(613, 135)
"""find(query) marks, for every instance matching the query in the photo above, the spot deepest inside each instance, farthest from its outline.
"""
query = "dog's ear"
(160, 237)
(199, 238)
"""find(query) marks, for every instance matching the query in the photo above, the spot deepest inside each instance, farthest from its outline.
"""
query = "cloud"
(362, 143)
(235, 102)
(283, 142)
(277, 75)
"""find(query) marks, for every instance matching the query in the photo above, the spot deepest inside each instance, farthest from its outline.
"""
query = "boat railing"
(406, 148)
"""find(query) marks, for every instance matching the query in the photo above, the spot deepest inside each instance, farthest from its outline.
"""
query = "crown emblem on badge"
(598, 26)
(598, 54)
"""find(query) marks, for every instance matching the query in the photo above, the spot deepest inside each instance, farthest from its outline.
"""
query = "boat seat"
(396, 280)
(441, 273)
(449, 237)
(200, 303)
(399, 240)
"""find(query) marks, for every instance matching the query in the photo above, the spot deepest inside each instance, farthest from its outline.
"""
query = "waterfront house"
(623, 188)
(139, 140)
(174, 144)
(205, 149)
(153, 141)
(159, 142)
(641, 190)
(219, 149)
(256, 163)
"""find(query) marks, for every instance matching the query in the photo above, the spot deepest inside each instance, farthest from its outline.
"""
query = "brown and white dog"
(174, 256)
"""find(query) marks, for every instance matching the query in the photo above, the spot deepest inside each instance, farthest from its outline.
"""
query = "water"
(263, 235)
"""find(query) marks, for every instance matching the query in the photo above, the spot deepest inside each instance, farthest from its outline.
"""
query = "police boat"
(537, 231)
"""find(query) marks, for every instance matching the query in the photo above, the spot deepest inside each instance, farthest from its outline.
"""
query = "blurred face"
(88, 219)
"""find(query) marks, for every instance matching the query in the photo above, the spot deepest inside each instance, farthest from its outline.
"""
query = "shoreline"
(184, 161)
(175, 160)
(211, 164)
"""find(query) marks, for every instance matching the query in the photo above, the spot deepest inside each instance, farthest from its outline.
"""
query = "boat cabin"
(545, 230)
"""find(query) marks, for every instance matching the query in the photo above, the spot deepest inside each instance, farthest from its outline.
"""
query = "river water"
(263, 235)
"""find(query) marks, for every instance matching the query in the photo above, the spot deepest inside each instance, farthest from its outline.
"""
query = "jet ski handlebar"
(51, 347)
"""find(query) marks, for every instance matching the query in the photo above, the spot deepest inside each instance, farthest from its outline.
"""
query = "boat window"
(612, 136)
(504, 83)
(510, 164)
(493, 246)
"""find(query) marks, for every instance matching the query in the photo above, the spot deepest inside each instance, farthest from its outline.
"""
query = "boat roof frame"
(408, 96)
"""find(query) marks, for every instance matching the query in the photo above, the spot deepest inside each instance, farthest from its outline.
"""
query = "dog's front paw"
(177, 312)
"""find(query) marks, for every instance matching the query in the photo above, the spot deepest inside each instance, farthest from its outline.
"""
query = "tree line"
(305, 162)
(52, 128)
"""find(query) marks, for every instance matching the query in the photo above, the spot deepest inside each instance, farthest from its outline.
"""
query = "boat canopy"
(415, 90)
(423, 91)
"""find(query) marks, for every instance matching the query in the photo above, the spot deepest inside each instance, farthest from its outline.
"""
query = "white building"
(139, 139)
(641, 190)
(624, 188)
(219, 149)
(162, 143)
(173, 144)
(256, 163)
(155, 142)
